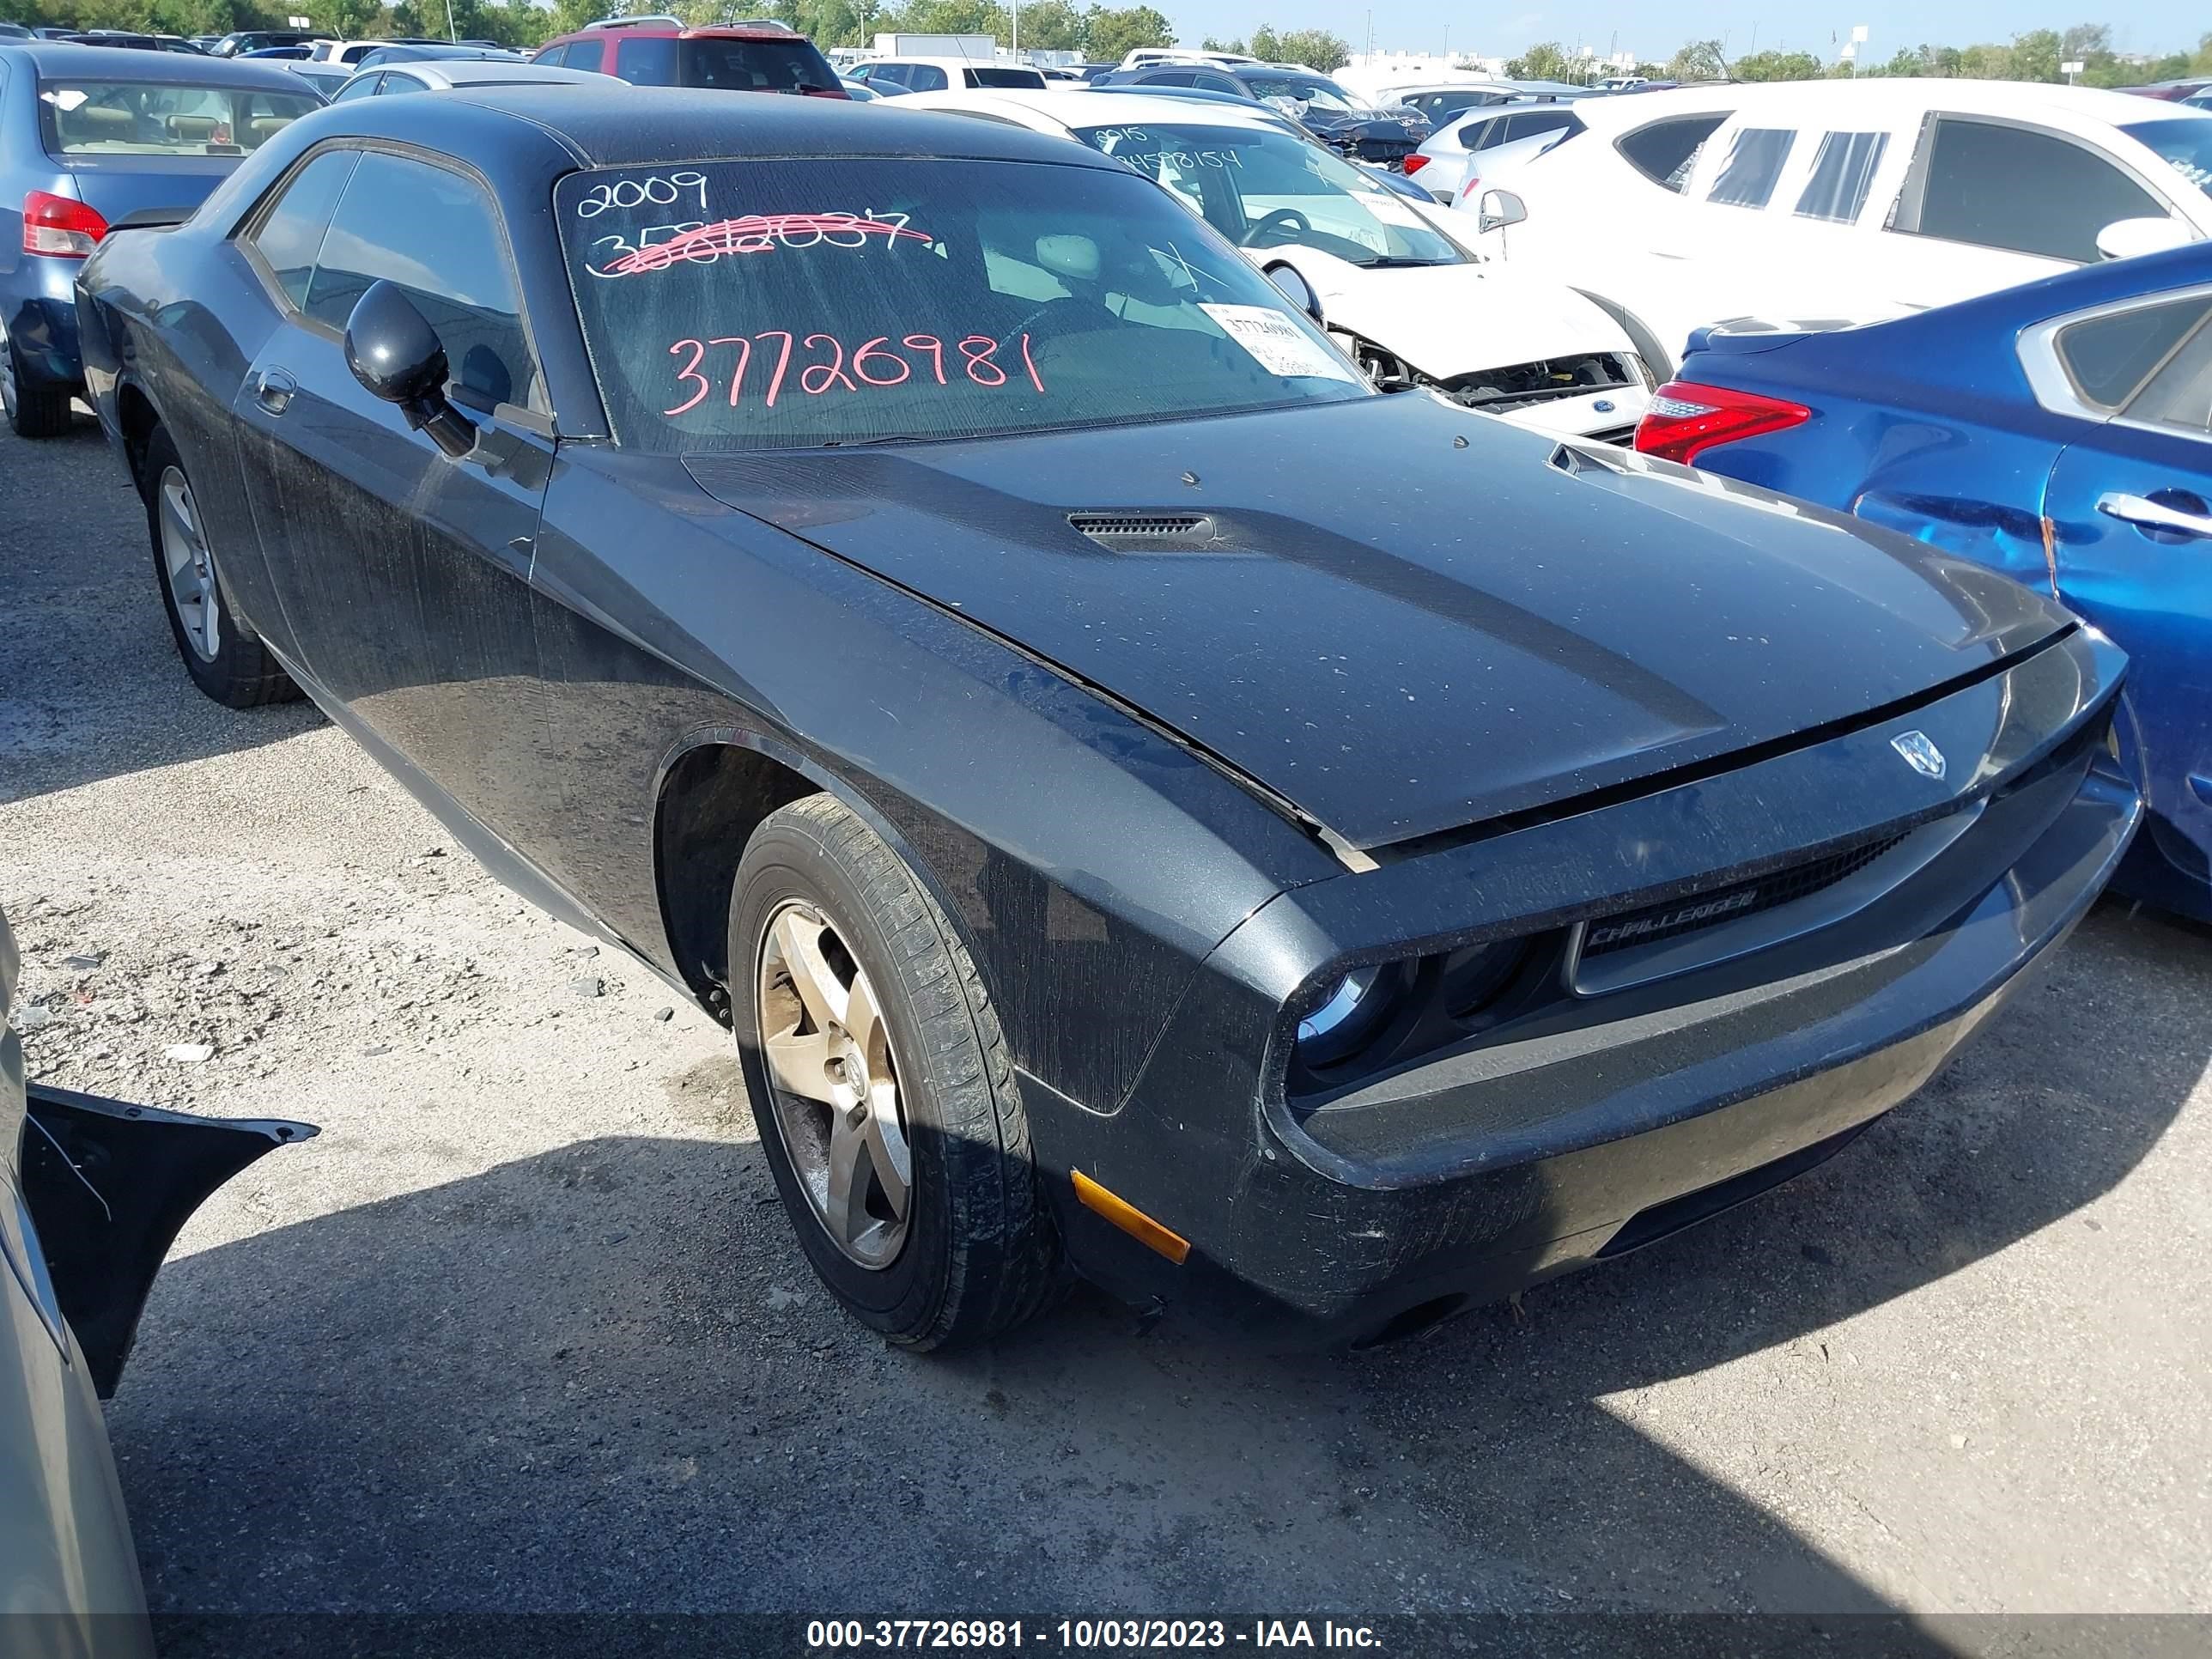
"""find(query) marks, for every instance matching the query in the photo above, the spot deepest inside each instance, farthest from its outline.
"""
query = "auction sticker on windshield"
(1277, 344)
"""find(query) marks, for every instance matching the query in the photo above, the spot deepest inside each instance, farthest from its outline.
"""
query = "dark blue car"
(87, 136)
(1326, 109)
(2061, 432)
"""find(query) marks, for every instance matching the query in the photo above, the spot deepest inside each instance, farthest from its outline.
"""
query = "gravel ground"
(525, 1329)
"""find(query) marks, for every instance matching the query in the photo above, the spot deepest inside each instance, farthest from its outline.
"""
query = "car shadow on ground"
(603, 1379)
(91, 686)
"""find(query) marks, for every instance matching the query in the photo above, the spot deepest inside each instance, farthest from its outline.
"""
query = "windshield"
(1315, 90)
(987, 75)
(2185, 145)
(120, 117)
(1264, 190)
(774, 303)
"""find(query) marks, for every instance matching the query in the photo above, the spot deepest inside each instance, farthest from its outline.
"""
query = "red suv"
(662, 52)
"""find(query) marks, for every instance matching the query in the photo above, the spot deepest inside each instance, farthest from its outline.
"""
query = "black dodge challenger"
(1147, 804)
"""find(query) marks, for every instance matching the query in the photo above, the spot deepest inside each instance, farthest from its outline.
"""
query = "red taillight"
(56, 225)
(829, 92)
(1415, 163)
(1685, 418)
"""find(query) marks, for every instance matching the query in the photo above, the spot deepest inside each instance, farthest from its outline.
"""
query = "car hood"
(1401, 617)
(1449, 320)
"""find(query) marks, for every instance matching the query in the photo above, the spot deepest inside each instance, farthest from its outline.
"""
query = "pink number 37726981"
(877, 363)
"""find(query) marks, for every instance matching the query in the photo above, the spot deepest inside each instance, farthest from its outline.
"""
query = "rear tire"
(34, 408)
(225, 658)
(827, 925)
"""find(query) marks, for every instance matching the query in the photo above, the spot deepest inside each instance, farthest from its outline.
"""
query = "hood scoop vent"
(1151, 532)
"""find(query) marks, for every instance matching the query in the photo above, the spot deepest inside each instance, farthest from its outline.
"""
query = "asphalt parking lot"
(525, 1329)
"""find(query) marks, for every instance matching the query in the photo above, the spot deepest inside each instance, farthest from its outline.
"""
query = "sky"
(1654, 28)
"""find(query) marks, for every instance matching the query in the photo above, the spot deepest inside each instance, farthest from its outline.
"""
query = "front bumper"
(1502, 1163)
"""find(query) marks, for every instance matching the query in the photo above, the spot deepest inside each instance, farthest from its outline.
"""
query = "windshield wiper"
(1398, 262)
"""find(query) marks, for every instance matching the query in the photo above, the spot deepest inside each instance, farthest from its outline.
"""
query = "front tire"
(881, 1087)
(225, 658)
(35, 409)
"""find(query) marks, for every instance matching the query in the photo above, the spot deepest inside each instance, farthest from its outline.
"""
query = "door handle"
(273, 389)
(2154, 515)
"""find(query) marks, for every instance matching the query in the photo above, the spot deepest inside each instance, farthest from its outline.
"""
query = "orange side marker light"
(1131, 1219)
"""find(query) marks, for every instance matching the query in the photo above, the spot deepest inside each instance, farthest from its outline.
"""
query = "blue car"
(2060, 432)
(89, 135)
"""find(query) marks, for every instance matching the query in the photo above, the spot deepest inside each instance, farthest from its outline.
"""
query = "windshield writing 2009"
(778, 303)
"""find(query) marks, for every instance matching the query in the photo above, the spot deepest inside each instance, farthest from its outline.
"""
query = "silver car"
(92, 1193)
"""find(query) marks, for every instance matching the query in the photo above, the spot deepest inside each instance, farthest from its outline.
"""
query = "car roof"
(609, 123)
(472, 71)
(1879, 98)
(489, 72)
(1072, 107)
(944, 61)
(659, 28)
(66, 60)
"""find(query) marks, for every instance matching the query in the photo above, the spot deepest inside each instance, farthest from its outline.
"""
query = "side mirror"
(1500, 208)
(395, 353)
(2125, 239)
(1299, 292)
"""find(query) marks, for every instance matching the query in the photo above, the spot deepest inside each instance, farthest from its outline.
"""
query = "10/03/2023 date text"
(996, 1635)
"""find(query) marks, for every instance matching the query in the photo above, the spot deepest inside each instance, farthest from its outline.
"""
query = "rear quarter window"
(2108, 357)
(1665, 151)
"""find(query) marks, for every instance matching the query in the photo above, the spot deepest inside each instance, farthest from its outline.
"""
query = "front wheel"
(225, 658)
(881, 1084)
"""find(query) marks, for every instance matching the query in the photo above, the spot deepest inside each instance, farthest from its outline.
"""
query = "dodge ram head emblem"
(1921, 755)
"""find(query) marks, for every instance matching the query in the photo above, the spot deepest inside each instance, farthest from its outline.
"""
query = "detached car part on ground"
(92, 1193)
(1400, 297)
(1147, 803)
(2060, 432)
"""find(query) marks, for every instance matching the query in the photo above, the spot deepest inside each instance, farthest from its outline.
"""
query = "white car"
(1140, 57)
(1403, 298)
(453, 74)
(1839, 198)
(1463, 148)
(350, 52)
(895, 77)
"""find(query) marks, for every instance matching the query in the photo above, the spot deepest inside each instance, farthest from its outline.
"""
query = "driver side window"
(432, 233)
(1994, 184)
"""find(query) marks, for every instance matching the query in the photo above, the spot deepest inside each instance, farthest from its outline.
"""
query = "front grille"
(1745, 899)
(1622, 436)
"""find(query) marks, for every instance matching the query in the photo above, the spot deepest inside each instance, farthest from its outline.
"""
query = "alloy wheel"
(191, 568)
(835, 1079)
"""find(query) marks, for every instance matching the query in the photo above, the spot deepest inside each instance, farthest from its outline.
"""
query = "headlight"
(1346, 1020)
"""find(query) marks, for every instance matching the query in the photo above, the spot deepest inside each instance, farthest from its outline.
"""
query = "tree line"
(2033, 55)
(1102, 33)
(1317, 49)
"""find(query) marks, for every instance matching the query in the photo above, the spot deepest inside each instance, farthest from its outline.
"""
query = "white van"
(1858, 198)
